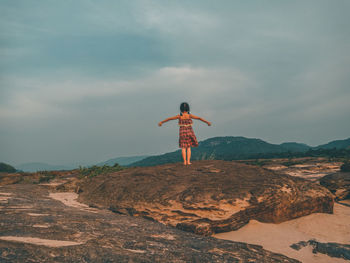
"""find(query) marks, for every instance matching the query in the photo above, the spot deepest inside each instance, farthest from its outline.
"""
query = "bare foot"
(185, 163)
(189, 163)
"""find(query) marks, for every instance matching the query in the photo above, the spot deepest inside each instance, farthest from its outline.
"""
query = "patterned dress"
(187, 137)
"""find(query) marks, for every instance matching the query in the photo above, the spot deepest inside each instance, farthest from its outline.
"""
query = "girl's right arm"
(169, 119)
(201, 119)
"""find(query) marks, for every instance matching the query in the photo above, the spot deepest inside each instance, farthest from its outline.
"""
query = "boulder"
(206, 197)
(338, 183)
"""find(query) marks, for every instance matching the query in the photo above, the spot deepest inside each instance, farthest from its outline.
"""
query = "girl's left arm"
(201, 119)
(168, 119)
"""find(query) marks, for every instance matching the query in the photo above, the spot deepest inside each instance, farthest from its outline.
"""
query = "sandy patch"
(136, 250)
(40, 241)
(22, 207)
(52, 183)
(275, 167)
(70, 199)
(36, 214)
(41, 226)
(278, 237)
(4, 199)
(164, 236)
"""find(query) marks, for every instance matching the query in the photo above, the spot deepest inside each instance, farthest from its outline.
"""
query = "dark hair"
(184, 107)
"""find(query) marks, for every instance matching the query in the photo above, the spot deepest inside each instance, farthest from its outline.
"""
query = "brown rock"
(10, 178)
(38, 226)
(338, 184)
(208, 196)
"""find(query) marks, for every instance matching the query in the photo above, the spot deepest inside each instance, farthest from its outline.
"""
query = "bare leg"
(189, 155)
(184, 155)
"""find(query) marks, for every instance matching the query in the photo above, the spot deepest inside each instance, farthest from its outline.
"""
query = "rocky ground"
(308, 168)
(330, 234)
(338, 183)
(208, 196)
(41, 220)
(37, 225)
(332, 249)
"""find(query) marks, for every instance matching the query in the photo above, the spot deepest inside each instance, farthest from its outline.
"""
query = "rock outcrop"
(39, 226)
(206, 197)
(338, 183)
(334, 250)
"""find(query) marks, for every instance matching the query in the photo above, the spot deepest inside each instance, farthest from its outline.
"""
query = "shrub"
(97, 170)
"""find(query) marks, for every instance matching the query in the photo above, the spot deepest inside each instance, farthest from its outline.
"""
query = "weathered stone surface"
(10, 178)
(338, 184)
(331, 249)
(42, 177)
(36, 227)
(208, 196)
(309, 168)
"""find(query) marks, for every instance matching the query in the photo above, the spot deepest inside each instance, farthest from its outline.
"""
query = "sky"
(84, 81)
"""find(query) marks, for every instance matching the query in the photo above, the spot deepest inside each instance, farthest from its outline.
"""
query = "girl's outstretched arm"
(168, 119)
(199, 118)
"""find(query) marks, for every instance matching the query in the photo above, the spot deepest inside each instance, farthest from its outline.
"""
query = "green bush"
(97, 170)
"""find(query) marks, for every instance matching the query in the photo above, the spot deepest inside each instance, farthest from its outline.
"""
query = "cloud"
(33, 98)
(277, 71)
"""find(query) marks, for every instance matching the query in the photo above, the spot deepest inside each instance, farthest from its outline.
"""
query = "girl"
(187, 138)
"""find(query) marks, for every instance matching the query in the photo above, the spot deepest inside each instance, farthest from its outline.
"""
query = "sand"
(278, 237)
(40, 241)
(70, 199)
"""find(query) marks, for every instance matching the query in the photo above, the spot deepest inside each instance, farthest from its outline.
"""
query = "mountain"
(238, 148)
(295, 147)
(37, 166)
(34, 167)
(338, 144)
(6, 168)
(123, 160)
(225, 148)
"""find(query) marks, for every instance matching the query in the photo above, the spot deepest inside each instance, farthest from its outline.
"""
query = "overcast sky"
(83, 81)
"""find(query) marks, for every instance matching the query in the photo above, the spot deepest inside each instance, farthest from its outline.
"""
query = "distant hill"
(338, 144)
(38, 166)
(123, 160)
(6, 168)
(237, 148)
(295, 147)
(34, 167)
(225, 148)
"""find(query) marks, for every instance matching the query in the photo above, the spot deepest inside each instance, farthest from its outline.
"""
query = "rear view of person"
(187, 138)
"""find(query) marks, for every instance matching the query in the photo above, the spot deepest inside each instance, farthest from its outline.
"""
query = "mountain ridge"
(239, 147)
(214, 148)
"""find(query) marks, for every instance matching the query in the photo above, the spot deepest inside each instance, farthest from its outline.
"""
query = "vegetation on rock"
(97, 170)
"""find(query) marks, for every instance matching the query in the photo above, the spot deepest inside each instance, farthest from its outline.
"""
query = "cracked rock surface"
(208, 196)
(37, 225)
